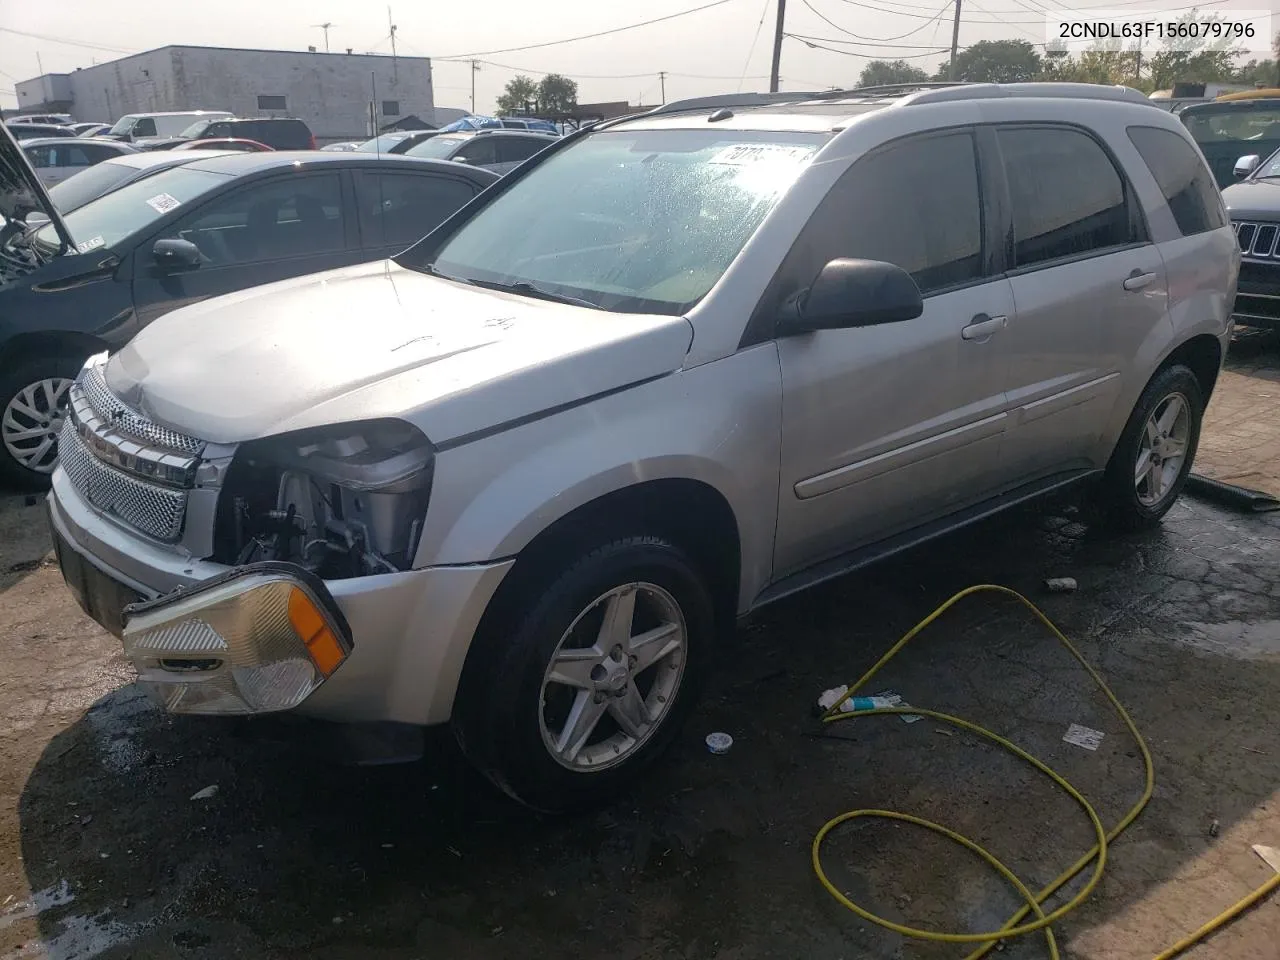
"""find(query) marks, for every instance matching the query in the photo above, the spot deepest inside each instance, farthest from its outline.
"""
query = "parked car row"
(523, 476)
(148, 232)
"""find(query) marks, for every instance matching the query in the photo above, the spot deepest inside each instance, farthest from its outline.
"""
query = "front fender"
(718, 423)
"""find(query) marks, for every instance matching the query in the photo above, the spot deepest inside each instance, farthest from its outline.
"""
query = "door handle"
(1137, 280)
(983, 326)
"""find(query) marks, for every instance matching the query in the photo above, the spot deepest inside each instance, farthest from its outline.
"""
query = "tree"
(879, 72)
(520, 92)
(557, 94)
(995, 61)
(1206, 62)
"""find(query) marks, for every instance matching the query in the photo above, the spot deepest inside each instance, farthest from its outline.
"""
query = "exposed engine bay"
(345, 501)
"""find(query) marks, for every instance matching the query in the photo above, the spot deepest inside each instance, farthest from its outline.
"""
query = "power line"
(859, 43)
(866, 56)
(924, 15)
(825, 19)
(66, 41)
(587, 36)
(746, 64)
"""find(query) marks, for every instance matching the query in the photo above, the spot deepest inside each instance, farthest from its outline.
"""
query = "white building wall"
(330, 91)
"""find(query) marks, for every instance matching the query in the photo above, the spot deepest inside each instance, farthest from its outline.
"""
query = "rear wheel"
(570, 695)
(1150, 463)
(33, 401)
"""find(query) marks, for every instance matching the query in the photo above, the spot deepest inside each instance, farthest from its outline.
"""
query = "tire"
(521, 739)
(33, 394)
(1129, 504)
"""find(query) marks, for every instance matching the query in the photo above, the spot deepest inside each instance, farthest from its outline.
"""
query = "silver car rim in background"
(1162, 449)
(31, 423)
(613, 677)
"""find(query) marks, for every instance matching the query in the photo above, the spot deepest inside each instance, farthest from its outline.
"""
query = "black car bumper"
(1258, 295)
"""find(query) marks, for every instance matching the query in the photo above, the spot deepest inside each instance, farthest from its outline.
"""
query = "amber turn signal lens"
(310, 624)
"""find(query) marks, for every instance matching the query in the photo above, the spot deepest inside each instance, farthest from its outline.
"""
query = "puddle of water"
(1245, 640)
(80, 938)
(56, 896)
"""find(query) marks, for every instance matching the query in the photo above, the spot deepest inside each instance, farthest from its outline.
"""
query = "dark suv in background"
(279, 133)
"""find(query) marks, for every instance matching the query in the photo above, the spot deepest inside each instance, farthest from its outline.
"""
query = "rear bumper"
(409, 631)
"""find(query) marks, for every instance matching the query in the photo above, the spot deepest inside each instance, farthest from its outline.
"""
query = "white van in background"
(137, 126)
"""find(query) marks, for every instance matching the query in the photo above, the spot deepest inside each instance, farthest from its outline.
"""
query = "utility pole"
(395, 73)
(662, 79)
(1137, 70)
(475, 68)
(777, 46)
(39, 64)
(955, 42)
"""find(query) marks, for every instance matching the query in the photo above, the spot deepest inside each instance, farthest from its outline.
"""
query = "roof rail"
(988, 91)
(718, 101)
(912, 93)
(730, 100)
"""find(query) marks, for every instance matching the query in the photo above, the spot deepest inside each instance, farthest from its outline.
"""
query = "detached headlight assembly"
(344, 500)
(258, 639)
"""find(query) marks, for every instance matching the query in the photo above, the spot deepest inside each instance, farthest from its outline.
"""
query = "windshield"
(1233, 125)
(632, 221)
(437, 148)
(123, 125)
(381, 144)
(89, 184)
(1270, 167)
(196, 130)
(108, 220)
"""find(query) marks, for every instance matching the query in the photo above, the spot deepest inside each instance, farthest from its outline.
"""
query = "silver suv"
(523, 477)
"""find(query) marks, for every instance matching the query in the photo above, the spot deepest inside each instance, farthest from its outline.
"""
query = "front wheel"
(566, 701)
(1154, 455)
(33, 401)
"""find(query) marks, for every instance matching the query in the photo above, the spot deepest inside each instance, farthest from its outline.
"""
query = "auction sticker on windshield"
(93, 243)
(163, 203)
(743, 154)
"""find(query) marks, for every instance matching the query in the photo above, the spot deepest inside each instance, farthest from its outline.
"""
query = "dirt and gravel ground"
(103, 853)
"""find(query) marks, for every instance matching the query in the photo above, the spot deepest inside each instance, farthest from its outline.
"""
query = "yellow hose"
(1014, 927)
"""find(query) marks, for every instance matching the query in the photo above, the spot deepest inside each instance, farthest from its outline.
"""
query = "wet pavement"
(104, 853)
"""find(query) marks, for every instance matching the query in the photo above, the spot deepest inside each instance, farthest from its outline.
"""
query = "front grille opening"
(1265, 241)
(1246, 235)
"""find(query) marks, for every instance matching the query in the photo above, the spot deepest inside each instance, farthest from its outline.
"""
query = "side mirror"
(1246, 165)
(853, 293)
(173, 253)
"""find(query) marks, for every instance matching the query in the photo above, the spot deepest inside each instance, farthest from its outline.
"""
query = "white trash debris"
(1085, 737)
(719, 743)
(208, 793)
(881, 701)
(1061, 585)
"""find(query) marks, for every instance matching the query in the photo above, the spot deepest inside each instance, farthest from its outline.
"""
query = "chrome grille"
(123, 420)
(1258, 240)
(154, 510)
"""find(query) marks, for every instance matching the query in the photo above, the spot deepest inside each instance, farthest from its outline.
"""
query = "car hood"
(1253, 200)
(21, 192)
(380, 340)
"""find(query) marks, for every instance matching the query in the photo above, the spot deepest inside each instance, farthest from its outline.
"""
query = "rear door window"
(1068, 198)
(286, 217)
(1183, 179)
(479, 152)
(518, 149)
(402, 208)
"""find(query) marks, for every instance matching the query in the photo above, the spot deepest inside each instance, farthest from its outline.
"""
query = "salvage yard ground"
(103, 853)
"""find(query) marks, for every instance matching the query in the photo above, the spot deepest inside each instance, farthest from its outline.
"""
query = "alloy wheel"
(1162, 450)
(31, 422)
(613, 677)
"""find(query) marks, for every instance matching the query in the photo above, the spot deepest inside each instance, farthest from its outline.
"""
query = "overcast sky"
(706, 52)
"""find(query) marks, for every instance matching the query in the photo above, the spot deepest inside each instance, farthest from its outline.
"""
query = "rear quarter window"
(1184, 180)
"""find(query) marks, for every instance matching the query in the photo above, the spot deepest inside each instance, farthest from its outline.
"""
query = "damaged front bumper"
(405, 635)
(257, 639)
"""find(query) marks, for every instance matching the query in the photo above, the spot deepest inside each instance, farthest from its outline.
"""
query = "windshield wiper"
(523, 287)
